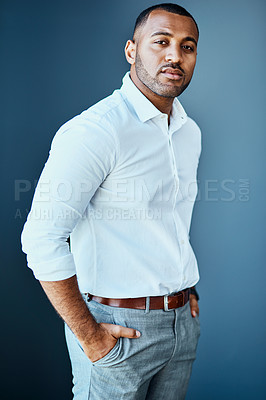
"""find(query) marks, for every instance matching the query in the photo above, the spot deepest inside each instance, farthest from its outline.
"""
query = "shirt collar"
(144, 108)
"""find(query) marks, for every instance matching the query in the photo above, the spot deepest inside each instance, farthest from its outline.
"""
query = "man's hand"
(96, 339)
(105, 339)
(194, 306)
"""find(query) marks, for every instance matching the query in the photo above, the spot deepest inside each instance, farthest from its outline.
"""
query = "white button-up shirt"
(122, 184)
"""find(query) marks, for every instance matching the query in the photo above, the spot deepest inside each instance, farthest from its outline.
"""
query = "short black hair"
(170, 7)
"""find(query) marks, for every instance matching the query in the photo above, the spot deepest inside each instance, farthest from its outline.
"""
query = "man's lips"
(172, 73)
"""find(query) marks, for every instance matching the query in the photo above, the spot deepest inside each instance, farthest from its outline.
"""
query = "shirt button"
(182, 241)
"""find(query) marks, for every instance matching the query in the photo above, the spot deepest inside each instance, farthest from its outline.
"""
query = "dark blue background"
(57, 59)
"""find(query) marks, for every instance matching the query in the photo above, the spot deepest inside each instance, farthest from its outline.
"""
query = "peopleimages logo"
(126, 199)
(137, 190)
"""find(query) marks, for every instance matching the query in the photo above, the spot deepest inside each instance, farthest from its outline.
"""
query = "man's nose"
(174, 54)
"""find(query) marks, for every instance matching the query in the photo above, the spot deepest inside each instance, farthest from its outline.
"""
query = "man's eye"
(160, 42)
(188, 48)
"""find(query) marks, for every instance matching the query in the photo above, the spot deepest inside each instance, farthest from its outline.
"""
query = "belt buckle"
(165, 302)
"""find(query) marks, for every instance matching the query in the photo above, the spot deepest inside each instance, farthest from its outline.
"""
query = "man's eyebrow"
(161, 33)
(190, 39)
(186, 39)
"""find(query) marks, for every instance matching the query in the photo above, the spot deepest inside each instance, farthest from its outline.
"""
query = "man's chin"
(170, 89)
(171, 92)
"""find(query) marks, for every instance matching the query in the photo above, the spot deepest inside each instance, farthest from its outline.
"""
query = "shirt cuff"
(54, 270)
(193, 291)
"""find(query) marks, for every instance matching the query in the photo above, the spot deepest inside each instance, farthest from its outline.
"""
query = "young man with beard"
(120, 180)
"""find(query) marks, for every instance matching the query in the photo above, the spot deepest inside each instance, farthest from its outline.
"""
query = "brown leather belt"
(166, 303)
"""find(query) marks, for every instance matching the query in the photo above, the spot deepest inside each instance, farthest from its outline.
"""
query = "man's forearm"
(68, 302)
(96, 339)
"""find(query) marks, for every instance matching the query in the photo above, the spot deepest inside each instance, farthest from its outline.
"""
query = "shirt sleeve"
(82, 154)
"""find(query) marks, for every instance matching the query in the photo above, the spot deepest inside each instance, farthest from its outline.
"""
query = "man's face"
(166, 51)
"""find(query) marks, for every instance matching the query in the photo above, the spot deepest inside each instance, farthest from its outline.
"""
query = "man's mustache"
(173, 66)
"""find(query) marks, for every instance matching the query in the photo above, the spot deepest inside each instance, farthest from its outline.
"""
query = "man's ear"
(130, 51)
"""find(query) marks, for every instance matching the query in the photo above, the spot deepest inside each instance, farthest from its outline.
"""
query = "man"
(120, 180)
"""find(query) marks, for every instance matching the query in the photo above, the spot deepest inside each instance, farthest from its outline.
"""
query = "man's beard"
(157, 87)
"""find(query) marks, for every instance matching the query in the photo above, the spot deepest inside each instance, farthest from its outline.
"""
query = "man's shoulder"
(192, 124)
(193, 132)
(101, 115)
(107, 109)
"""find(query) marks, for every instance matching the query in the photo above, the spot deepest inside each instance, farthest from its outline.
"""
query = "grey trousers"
(156, 366)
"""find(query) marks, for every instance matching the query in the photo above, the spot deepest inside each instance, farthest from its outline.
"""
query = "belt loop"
(147, 309)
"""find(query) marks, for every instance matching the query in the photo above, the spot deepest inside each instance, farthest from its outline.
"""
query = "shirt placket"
(180, 241)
